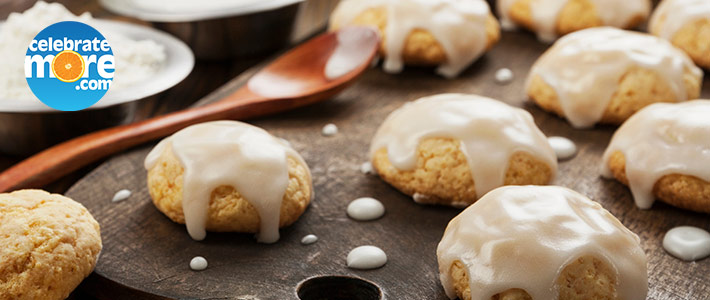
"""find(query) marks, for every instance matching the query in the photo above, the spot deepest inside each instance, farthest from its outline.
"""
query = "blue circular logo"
(69, 66)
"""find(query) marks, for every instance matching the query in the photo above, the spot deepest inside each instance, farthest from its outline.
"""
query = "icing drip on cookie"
(671, 15)
(490, 132)
(459, 26)
(659, 140)
(544, 13)
(234, 154)
(585, 68)
(523, 236)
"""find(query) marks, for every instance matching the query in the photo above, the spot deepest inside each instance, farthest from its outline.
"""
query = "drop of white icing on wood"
(504, 76)
(330, 130)
(366, 168)
(365, 209)
(366, 257)
(121, 195)
(198, 263)
(309, 239)
(687, 243)
(564, 147)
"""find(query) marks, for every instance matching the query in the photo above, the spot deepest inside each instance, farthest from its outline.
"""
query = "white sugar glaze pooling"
(121, 195)
(687, 243)
(350, 52)
(564, 147)
(490, 132)
(233, 154)
(659, 140)
(459, 26)
(365, 209)
(523, 236)
(366, 257)
(544, 13)
(585, 68)
(671, 15)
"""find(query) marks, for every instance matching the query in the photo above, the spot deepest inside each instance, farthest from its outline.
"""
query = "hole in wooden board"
(338, 288)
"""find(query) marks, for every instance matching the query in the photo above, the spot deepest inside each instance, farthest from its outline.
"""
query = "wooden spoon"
(312, 72)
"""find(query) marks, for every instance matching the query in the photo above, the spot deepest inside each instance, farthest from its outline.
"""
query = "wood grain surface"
(147, 255)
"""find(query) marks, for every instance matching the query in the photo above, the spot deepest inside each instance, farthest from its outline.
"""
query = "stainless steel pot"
(238, 36)
(24, 133)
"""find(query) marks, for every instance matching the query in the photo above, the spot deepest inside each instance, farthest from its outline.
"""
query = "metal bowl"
(234, 32)
(25, 133)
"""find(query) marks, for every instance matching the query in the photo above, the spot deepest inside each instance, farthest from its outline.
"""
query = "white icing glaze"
(544, 13)
(329, 129)
(366, 168)
(459, 26)
(365, 209)
(687, 243)
(490, 131)
(585, 68)
(564, 147)
(504, 76)
(121, 195)
(309, 239)
(659, 140)
(671, 15)
(350, 52)
(234, 154)
(198, 263)
(366, 257)
(523, 236)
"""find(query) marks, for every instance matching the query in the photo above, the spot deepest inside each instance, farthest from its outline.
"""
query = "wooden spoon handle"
(62, 159)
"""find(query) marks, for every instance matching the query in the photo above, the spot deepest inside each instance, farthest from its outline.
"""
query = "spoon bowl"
(295, 79)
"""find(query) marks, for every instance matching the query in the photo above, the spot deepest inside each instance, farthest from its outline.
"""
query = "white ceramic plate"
(178, 64)
(185, 10)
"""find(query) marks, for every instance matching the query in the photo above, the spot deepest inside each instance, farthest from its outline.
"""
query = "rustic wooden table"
(146, 256)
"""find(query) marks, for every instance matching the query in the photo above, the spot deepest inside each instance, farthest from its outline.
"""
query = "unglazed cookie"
(449, 33)
(48, 245)
(686, 23)
(228, 176)
(540, 242)
(553, 18)
(453, 148)
(663, 152)
(604, 75)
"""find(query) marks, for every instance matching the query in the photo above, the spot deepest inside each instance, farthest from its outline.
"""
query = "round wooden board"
(146, 254)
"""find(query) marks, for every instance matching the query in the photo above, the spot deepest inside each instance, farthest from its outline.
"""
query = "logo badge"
(69, 66)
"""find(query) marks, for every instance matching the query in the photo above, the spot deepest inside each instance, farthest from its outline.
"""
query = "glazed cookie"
(452, 148)
(553, 18)
(228, 176)
(449, 33)
(604, 75)
(686, 23)
(662, 152)
(540, 242)
(50, 243)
